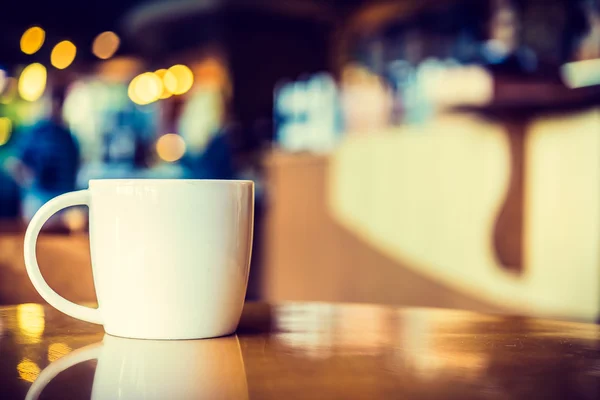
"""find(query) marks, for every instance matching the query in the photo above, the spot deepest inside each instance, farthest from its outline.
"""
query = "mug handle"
(81, 197)
(87, 353)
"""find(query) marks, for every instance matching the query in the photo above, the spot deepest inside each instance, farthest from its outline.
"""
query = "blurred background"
(441, 153)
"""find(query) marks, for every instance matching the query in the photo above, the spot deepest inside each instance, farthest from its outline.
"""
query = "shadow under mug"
(170, 258)
(157, 369)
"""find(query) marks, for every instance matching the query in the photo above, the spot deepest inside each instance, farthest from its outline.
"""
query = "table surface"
(306, 350)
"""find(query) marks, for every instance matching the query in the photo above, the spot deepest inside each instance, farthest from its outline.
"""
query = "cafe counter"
(464, 212)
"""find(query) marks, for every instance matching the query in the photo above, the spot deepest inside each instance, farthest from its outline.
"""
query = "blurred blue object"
(48, 161)
(216, 162)
(51, 154)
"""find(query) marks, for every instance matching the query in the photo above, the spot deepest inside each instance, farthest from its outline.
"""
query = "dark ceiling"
(80, 21)
(76, 20)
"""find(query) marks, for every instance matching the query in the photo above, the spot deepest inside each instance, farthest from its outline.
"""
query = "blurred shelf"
(525, 99)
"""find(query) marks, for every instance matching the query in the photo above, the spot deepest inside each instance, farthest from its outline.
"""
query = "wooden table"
(306, 350)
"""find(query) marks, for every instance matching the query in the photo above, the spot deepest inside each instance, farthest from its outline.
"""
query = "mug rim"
(145, 181)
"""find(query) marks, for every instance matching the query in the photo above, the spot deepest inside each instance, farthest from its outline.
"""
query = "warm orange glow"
(118, 69)
(32, 40)
(63, 54)
(145, 88)
(106, 45)
(58, 350)
(5, 130)
(178, 79)
(170, 147)
(211, 73)
(28, 370)
(161, 74)
(32, 82)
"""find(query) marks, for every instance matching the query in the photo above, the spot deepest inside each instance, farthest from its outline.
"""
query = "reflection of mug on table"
(147, 369)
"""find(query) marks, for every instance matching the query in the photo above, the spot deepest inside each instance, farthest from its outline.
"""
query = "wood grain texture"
(335, 351)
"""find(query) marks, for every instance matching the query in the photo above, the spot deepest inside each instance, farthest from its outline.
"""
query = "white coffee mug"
(170, 258)
(157, 369)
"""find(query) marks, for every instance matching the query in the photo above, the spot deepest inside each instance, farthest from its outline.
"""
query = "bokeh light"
(131, 92)
(9, 92)
(166, 93)
(63, 54)
(32, 40)
(170, 147)
(178, 79)
(5, 130)
(145, 88)
(32, 82)
(106, 45)
(58, 350)
(31, 321)
(28, 370)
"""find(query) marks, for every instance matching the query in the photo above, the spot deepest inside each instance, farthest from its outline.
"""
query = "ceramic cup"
(157, 369)
(170, 258)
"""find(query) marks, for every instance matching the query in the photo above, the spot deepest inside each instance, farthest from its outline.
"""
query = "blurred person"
(125, 152)
(206, 124)
(215, 161)
(46, 160)
(367, 101)
(504, 53)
